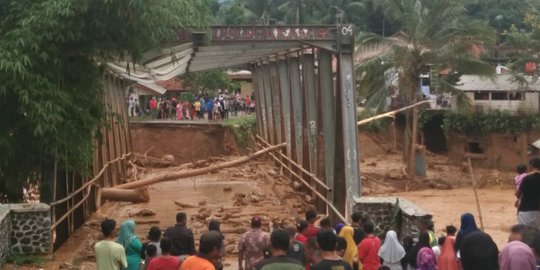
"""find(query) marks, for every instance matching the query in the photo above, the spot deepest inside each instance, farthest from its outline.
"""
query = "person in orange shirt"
(209, 251)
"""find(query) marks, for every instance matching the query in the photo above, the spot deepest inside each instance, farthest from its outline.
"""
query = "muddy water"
(497, 206)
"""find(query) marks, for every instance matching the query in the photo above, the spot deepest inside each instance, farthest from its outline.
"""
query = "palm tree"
(325, 11)
(434, 36)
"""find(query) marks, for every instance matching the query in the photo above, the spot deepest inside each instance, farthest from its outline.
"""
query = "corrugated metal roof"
(497, 83)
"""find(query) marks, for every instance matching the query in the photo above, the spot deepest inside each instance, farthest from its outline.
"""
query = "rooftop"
(503, 82)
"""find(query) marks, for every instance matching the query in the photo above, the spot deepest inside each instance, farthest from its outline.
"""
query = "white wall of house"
(529, 104)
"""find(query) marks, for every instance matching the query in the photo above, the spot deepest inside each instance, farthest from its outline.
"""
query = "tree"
(209, 82)
(434, 37)
(50, 55)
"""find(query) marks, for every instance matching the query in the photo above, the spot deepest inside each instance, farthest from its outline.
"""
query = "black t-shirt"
(331, 265)
(358, 235)
(297, 251)
(530, 193)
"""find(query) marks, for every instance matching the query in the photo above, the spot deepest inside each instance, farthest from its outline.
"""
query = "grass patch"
(243, 128)
(22, 259)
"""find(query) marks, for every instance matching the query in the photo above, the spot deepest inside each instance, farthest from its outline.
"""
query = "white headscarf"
(391, 251)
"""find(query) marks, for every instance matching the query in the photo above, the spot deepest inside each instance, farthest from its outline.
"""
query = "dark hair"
(327, 240)
(311, 214)
(408, 241)
(180, 217)
(451, 230)
(427, 223)
(536, 245)
(369, 227)
(312, 243)
(151, 250)
(341, 243)
(384, 267)
(280, 239)
(521, 168)
(535, 163)
(325, 222)
(107, 227)
(291, 230)
(256, 222)
(154, 234)
(528, 233)
(301, 225)
(356, 216)
(165, 245)
(213, 225)
(441, 240)
(209, 242)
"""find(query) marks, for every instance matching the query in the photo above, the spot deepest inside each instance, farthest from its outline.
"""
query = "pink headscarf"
(426, 259)
(517, 255)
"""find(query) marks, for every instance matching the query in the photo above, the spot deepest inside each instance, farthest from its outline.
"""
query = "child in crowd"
(151, 253)
(341, 246)
(451, 230)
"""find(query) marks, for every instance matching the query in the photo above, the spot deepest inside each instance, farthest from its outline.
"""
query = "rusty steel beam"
(274, 33)
(256, 92)
(267, 91)
(285, 87)
(310, 96)
(296, 102)
(260, 102)
(276, 102)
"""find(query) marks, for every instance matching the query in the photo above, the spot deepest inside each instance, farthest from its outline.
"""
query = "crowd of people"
(213, 108)
(317, 244)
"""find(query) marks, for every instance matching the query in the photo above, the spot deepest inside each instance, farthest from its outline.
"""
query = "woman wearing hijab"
(131, 244)
(426, 259)
(468, 225)
(423, 242)
(338, 227)
(351, 251)
(408, 245)
(479, 252)
(517, 256)
(448, 260)
(391, 251)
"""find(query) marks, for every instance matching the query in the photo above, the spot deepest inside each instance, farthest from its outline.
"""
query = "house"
(502, 92)
(245, 80)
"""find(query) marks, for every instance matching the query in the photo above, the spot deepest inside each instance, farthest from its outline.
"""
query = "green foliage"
(20, 259)
(486, 123)
(51, 92)
(379, 125)
(210, 81)
(243, 128)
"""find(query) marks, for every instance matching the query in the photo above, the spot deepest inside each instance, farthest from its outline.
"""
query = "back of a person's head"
(210, 241)
(441, 240)
(369, 227)
(151, 250)
(311, 215)
(301, 225)
(536, 246)
(291, 229)
(214, 225)
(535, 163)
(451, 230)
(279, 239)
(325, 223)
(107, 227)
(327, 240)
(154, 234)
(341, 243)
(384, 267)
(256, 222)
(356, 216)
(181, 217)
(479, 252)
(521, 168)
(165, 244)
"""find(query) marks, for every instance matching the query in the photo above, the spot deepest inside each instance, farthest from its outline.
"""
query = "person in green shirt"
(109, 254)
(279, 244)
(131, 244)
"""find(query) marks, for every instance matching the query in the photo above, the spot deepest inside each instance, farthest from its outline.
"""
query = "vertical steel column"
(285, 88)
(348, 110)
(260, 103)
(258, 109)
(310, 94)
(268, 103)
(276, 102)
(327, 100)
(296, 98)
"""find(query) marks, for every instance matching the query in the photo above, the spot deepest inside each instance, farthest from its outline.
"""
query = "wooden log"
(390, 114)
(184, 205)
(189, 173)
(146, 221)
(475, 155)
(122, 195)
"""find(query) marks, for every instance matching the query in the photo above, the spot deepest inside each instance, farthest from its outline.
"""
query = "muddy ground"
(234, 195)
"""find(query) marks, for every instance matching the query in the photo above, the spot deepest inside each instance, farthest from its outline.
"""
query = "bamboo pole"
(390, 114)
(473, 179)
(189, 173)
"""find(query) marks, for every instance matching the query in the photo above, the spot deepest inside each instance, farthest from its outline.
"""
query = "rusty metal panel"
(285, 87)
(267, 91)
(260, 102)
(276, 102)
(256, 92)
(296, 98)
(310, 95)
(274, 32)
(327, 97)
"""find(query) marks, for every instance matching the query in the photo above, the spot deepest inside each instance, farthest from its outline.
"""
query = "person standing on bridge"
(109, 254)
(183, 243)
